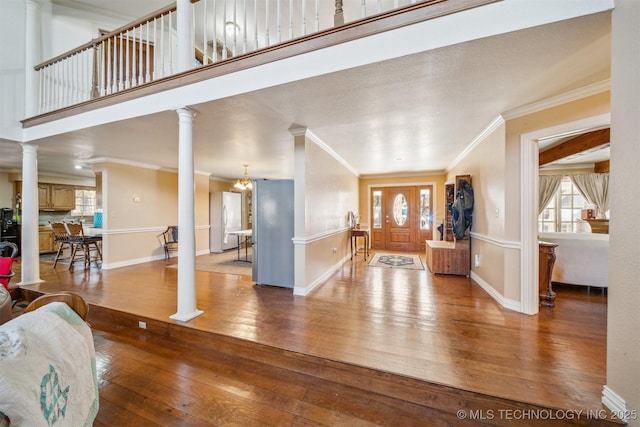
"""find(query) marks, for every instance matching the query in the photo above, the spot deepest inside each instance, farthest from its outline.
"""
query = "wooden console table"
(546, 260)
(355, 233)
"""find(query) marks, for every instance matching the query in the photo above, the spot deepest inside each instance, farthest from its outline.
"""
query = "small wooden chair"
(170, 238)
(83, 246)
(61, 238)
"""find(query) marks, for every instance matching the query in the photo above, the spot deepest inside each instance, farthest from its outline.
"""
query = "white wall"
(66, 28)
(623, 318)
(12, 65)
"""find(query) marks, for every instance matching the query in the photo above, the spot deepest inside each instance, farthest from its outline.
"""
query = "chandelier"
(244, 183)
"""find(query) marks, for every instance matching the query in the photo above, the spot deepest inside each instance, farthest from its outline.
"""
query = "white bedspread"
(47, 369)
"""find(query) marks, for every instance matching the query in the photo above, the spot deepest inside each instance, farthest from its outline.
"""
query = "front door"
(402, 217)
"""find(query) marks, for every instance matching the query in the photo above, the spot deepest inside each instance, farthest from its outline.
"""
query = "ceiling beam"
(580, 143)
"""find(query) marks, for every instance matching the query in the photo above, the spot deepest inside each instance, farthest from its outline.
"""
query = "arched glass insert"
(400, 209)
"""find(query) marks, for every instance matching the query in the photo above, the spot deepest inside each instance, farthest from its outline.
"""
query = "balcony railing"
(146, 50)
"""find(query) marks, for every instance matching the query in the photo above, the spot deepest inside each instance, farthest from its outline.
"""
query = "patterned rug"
(412, 262)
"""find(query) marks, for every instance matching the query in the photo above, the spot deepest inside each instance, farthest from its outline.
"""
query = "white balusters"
(278, 22)
(255, 21)
(291, 19)
(147, 77)
(244, 28)
(266, 24)
(303, 18)
(145, 51)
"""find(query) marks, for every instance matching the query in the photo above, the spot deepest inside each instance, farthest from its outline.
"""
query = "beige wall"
(325, 191)
(132, 226)
(623, 346)
(583, 108)
(486, 164)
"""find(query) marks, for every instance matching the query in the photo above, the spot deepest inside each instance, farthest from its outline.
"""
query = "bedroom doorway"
(402, 217)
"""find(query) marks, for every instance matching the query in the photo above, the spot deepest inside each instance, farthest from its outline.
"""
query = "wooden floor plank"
(442, 329)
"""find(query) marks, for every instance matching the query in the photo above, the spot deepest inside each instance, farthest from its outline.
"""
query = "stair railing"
(146, 49)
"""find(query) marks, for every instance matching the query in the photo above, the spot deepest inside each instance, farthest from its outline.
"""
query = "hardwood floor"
(376, 346)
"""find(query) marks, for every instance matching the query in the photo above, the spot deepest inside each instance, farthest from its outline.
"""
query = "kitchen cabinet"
(56, 197)
(46, 242)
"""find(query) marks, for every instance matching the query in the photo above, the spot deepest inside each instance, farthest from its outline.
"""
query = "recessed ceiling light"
(78, 167)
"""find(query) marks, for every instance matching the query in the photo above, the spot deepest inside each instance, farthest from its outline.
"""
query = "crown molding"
(574, 95)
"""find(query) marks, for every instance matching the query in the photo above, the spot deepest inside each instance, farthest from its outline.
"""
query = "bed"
(48, 366)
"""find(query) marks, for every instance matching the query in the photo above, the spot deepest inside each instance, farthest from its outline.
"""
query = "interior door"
(402, 217)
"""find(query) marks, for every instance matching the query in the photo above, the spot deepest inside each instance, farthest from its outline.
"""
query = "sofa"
(581, 258)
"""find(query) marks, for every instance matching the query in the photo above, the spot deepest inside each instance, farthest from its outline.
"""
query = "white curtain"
(595, 188)
(547, 187)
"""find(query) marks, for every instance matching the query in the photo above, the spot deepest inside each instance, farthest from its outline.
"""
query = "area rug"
(226, 262)
(411, 262)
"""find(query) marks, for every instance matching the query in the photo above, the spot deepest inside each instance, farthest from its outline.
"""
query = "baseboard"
(616, 404)
(308, 288)
(504, 302)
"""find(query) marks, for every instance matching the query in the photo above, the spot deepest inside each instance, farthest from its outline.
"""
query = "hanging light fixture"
(244, 183)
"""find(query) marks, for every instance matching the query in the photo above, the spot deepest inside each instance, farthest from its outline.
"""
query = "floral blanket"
(48, 369)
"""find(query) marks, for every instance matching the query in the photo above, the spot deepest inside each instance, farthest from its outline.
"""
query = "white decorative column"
(30, 254)
(33, 56)
(186, 221)
(186, 49)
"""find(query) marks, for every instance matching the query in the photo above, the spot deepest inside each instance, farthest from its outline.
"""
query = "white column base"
(33, 282)
(185, 317)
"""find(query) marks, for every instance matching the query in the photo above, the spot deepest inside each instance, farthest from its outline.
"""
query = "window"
(425, 208)
(377, 209)
(563, 211)
(85, 203)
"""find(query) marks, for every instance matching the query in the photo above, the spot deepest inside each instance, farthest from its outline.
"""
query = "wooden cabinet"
(63, 197)
(448, 257)
(546, 260)
(46, 243)
(56, 197)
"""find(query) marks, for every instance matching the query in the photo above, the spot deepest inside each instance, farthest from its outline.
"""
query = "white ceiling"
(411, 114)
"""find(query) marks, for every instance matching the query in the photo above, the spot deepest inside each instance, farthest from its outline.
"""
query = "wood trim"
(397, 18)
(602, 167)
(575, 145)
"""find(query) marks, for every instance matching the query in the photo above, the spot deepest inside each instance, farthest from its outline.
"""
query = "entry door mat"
(411, 262)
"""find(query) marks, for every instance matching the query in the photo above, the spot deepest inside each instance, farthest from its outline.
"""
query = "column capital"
(26, 146)
(184, 112)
